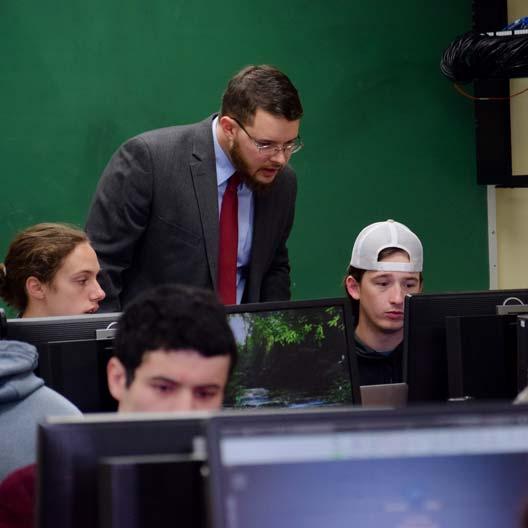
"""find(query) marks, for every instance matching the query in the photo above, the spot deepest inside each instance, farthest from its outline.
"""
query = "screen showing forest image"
(290, 358)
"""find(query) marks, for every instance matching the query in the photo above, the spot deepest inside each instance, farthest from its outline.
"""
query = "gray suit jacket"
(154, 219)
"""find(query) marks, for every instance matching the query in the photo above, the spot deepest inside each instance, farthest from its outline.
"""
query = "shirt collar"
(224, 167)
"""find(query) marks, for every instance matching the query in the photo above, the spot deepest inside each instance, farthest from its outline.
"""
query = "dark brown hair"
(38, 251)
(357, 274)
(262, 87)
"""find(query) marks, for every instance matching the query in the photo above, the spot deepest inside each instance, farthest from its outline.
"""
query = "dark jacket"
(154, 219)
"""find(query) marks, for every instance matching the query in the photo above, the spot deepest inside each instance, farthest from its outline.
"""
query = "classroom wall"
(512, 204)
(386, 135)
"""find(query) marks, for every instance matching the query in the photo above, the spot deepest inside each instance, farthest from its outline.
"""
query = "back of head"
(173, 317)
(263, 87)
(38, 252)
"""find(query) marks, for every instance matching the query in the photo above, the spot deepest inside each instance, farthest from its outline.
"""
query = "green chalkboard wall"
(386, 136)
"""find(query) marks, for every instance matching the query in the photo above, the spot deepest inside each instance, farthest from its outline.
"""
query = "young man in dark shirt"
(386, 264)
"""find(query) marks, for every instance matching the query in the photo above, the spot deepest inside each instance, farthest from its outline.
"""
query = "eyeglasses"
(270, 148)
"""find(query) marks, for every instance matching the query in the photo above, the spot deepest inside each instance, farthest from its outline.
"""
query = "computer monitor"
(77, 370)
(522, 346)
(293, 354)
(3, 324)
(70, 449)
(483, 360)
(145, 491)
(425, 356)
(455, 466)
(41, 330)
(73, 353)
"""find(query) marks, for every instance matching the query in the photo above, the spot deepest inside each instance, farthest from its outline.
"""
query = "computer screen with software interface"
(407, 469)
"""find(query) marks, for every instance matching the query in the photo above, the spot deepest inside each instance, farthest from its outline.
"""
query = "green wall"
(386, 136)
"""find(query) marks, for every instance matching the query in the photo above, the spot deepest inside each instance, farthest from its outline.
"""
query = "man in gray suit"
(157, 214)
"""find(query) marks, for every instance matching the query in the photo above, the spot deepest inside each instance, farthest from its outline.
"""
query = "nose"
(280, 156)
(98, 293)
(183, 400)
(397, 294)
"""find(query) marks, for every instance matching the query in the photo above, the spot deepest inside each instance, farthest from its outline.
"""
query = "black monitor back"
(151, 490)
(73, 353)
(294, 354)
(41, 330)
(482, 357)
(77, 370)
(69, 451)
(425, 355)
(522, 346)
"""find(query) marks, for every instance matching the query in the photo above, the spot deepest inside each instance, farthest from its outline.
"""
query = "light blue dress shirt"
(224, 170)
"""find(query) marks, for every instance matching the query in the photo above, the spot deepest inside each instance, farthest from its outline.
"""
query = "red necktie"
(228, 247)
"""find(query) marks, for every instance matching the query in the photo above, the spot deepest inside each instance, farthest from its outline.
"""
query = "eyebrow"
(89, 272)
(276, 142)
(389, 275)
(165, 380)
(208, 386)
(176, 382)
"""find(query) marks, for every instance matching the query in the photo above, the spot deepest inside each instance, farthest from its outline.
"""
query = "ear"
(35, 289)
(228, 125)
(116, 377)
(353, 287)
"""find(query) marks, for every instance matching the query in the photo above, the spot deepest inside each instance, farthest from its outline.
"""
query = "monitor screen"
(293, 354)
(482, 357)
(440, 468)
(425, 355)
(69, 451)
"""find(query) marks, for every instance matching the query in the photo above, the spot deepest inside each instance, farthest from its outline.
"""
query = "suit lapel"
(203, 170)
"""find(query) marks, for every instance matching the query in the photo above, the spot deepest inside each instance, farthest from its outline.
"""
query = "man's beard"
(242, 168)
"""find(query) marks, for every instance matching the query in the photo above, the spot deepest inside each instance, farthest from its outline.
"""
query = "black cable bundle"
(480, 56)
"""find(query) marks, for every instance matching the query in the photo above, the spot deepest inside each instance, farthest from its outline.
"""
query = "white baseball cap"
(381, 235)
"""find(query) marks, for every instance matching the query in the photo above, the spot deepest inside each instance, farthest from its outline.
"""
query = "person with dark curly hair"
(173, 351)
